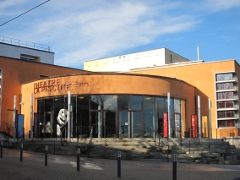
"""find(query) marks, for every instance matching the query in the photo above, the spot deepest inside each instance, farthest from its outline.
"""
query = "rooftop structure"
(124, 63)
(25, 50)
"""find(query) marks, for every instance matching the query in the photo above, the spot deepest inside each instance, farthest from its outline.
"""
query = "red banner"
(194, 126)
(165, 125)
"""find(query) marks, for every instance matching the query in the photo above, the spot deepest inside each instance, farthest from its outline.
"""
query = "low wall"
(233, 141)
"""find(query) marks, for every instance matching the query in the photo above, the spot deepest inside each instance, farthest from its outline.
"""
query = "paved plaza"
(65, 167)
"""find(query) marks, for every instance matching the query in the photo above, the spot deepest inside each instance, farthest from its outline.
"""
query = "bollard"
(46, 153)
(1, 148)
(119, 164)
(174, 167)
(21, 152)
(78, 159)
(202, 156)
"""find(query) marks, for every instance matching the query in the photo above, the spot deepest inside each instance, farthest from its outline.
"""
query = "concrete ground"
(65, 167)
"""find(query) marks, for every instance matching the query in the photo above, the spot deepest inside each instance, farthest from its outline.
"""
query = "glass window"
(177, 105)
(227, 123)
(226, 114)
(97, 124)
(225, 95)
(161, 106)
(97, 102)
(225, 104)
(123, 102)
(224, 77)
(110, 102)
(83, 125)
(149, 117)
(224, 86)
(136, 102)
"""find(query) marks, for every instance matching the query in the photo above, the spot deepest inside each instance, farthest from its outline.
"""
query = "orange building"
(218, 88)
(186, 99)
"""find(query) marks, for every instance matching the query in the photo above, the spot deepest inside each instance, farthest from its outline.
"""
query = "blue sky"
(78, 31)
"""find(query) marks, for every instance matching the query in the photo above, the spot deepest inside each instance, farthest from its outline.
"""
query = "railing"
(7, 128)
(22, 43)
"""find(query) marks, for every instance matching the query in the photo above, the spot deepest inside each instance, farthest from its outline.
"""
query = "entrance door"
(178, 125)
(137, 125)
(130, 124)
(124, 124)
(110, 124)
(47, 127)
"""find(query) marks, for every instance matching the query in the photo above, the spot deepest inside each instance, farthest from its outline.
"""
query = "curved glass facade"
(108, 116)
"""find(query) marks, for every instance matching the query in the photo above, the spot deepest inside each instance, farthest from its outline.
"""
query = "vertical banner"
(20, 126)
(165, 125)
(36, 126)
(194, 126)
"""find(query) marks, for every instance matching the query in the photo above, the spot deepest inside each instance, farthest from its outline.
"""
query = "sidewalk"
(65, 167)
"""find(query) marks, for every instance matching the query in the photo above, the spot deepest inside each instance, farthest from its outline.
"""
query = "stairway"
(206, 151)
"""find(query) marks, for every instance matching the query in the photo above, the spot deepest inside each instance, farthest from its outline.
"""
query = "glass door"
(110, 124)
(47, 127)
(124, 124)
(177, 125)
(130, 124)
(137, 125)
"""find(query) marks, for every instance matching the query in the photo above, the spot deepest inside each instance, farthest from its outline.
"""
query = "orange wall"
(200, 75)
(106, 84)
(17, 72)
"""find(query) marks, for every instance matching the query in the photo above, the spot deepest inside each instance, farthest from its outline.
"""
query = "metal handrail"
(22, 43)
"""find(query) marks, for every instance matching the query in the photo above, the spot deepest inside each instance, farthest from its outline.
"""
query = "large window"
(224, 86)
(225, 95)
(226, 114)
(227, 123)
(123, 102)
(136, 102)
(107, 116)
(225, 104)
(224, 77)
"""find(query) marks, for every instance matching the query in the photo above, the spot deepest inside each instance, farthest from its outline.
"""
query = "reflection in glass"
(124, 124)
(149, 117)
(97, 102)
(224, 77)
(110, 102)
(136, 102)
(123, 102)
(110, 126)
(97, 124)
(124, 116)
(137, 124)
(83, 124)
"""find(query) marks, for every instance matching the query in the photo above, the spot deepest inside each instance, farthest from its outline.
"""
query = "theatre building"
(178, 99)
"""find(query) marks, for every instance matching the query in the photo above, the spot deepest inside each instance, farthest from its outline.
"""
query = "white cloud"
(218, 5)
(97, 32)
(80, 31)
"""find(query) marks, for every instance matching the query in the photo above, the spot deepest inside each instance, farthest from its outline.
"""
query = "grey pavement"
(65, 167)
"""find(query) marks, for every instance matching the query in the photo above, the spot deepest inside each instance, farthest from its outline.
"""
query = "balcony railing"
(22, 43)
